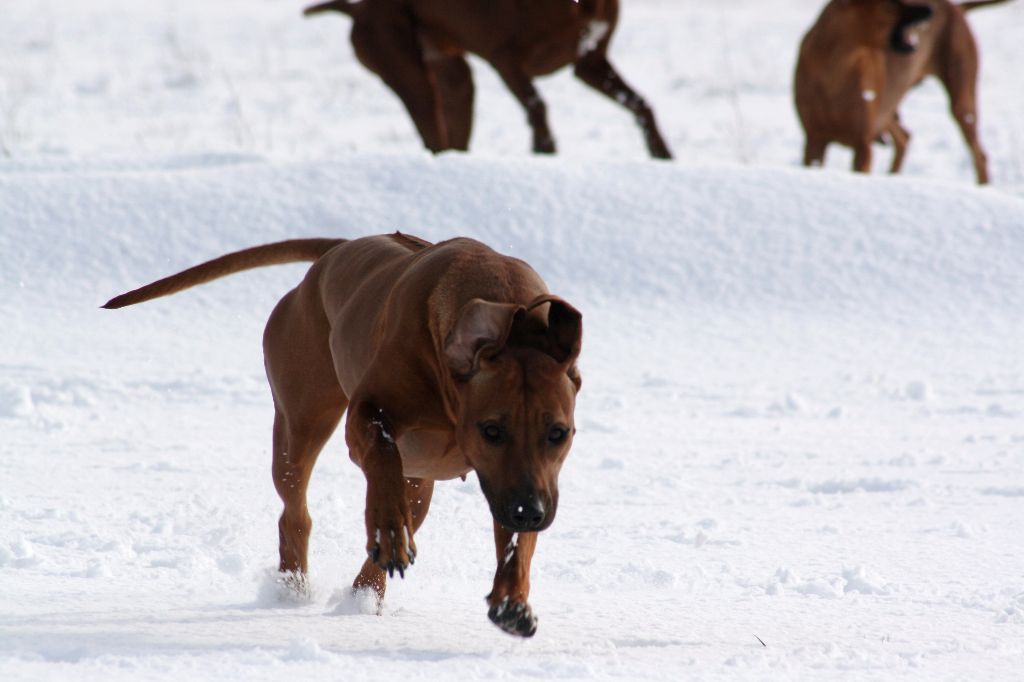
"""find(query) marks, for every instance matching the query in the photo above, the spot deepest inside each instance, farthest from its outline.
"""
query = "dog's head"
(516, 378)
(890, 24)
(903, 38)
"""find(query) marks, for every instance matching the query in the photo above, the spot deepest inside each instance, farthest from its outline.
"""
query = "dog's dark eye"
(557, 434)
(492, 433)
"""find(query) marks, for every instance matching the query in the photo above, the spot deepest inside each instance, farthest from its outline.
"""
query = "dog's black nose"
(526, 514)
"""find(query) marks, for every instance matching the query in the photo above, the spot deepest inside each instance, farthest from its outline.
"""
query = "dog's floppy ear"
(481, 330)
(564, 336)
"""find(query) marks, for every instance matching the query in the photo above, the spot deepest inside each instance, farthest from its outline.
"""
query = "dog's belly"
(432, 455)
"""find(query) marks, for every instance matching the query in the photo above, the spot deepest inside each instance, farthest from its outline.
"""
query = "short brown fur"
(850, 80)
(448, 358)
(418, 48)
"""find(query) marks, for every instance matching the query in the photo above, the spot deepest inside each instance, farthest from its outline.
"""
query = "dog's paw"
(515, 618)
(392, 548)
(285, 588)
(544, 145)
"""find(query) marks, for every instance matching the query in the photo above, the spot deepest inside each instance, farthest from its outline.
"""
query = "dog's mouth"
(905, 36)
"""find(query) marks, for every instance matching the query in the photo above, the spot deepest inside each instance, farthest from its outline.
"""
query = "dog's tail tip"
(975, 4)
(114, 303)
(343, 6)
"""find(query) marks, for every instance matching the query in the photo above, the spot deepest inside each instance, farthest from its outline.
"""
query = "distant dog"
(418, 49)
(862, 56)
(449, 358)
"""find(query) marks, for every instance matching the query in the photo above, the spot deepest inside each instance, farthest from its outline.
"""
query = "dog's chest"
(431, 454)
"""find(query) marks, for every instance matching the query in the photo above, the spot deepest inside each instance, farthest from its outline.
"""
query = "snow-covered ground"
(802, 419)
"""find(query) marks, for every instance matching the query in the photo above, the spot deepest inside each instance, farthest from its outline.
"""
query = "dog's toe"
(390, 552)
(514, 618)
(396, 566)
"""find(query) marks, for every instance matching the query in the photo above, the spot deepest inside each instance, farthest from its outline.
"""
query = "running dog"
(418, 48)
(449, 358)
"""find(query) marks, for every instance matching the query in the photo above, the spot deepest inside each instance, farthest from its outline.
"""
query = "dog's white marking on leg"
(591, 35)
(378, 421)
(969, 118)
(510, 549)
(869, 95)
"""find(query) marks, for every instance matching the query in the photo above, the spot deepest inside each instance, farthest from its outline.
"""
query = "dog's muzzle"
(524, 510)
(524, 514)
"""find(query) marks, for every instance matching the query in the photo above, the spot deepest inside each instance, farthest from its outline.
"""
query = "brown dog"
(418, 49)
(450, 358)
(862, 56)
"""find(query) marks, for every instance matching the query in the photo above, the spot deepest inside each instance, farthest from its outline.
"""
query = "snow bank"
(703, 242)
(734, 239)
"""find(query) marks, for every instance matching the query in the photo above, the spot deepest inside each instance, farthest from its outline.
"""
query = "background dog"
(862, 56)
(418, 49)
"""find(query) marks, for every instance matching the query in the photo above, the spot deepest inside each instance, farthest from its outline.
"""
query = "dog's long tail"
(343, 6)
(975, 4)
(278, 253)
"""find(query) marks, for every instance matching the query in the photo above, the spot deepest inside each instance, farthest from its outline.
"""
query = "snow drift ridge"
(743, 240)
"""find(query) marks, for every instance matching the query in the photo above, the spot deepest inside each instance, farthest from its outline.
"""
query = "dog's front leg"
(509, 609)
(389, 519)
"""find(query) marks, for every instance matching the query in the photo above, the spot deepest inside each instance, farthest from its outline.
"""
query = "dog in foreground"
(862, 56)
(418, 48)
(449, 358)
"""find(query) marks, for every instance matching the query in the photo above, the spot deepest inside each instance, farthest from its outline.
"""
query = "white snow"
(800, 447)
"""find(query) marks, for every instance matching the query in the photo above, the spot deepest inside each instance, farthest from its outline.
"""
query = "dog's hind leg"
(454, 82)
(959, 74)
(418, 492)
(900, 139)
(516, 80)
(595, 70)
(391, 50)
(509, 609)
(308, 405)
(296, 448)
